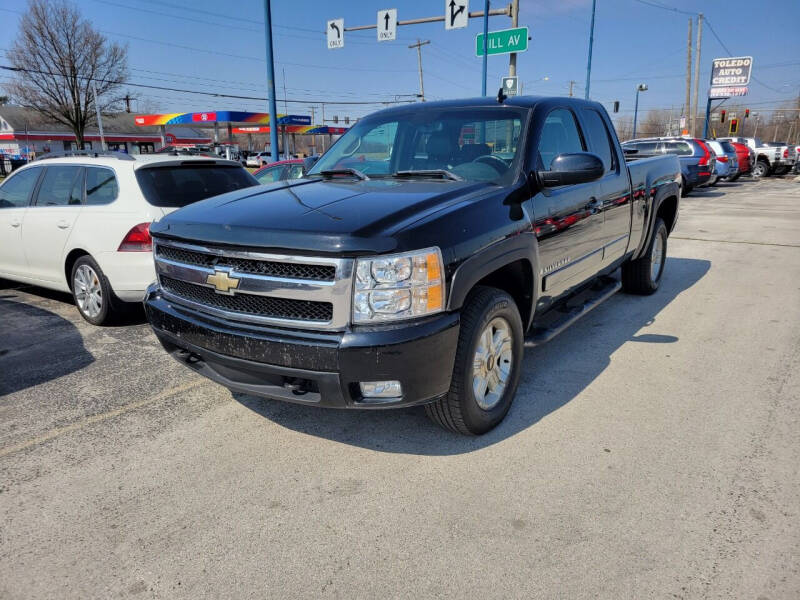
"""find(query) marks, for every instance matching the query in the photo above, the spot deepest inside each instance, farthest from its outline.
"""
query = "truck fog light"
(381, 389)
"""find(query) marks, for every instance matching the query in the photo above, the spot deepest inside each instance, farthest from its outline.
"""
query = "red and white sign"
(204, 117)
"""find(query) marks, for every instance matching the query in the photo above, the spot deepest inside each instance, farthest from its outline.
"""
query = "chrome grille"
(286, 290)
(265, 306)
(245, 265)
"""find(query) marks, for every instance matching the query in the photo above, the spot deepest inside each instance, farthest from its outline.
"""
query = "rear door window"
(58, 187)
(101, 186)
(16, 190)
(174, 186)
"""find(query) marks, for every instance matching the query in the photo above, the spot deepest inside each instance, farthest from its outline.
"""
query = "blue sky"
(188, 44)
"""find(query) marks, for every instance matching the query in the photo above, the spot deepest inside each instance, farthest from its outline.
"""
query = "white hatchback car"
(80, 222)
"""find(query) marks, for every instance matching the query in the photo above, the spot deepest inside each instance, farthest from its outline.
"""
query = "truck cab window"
(600, 139)
(560, 135)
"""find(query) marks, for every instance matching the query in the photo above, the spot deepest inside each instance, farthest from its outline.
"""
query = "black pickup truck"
(416, 259)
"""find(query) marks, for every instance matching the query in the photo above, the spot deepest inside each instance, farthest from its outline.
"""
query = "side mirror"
(308, 162)
(572, 168)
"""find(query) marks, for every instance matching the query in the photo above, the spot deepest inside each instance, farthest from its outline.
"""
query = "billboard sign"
(730, 76)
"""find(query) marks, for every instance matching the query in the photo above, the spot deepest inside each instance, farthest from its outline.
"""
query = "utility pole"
(571, 83)
(697, 71)
(99, 118)
(485, 52)
(273, 105)
(313, 137)
(127, 102)
(687, 108)
(323, 123)
(512, 58)
(591, 44)
(419, 46)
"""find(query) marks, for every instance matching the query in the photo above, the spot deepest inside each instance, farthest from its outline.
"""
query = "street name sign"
(387, 24)
(456, 14)
(335, 31)
(510, 87)
(504, 41)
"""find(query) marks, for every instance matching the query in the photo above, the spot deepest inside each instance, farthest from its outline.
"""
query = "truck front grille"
(265, 306)
(248, 265)
(272, 289)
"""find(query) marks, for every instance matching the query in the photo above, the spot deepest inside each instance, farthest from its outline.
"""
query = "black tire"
(637, 275)
(459, 410)
(781, 170)
(686, 190)
(761, 169)
(108, 301)
(714, 182)
(733, 178)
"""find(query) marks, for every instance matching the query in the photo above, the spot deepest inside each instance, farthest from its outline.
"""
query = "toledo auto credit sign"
(730, 76)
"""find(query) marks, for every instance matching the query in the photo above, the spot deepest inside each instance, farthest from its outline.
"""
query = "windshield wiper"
(440, 173)
(332, 173)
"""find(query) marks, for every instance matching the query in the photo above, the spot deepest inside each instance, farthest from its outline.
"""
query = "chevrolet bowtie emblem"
(223, 283)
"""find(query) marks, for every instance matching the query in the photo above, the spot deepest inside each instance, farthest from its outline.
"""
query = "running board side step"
(575, 308)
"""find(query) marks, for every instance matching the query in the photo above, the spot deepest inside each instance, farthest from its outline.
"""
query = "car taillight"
(137, 239)
(703, 162)
(722, 158)
(786, 153)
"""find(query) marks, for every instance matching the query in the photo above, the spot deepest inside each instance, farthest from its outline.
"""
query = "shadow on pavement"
(552, 375)
(36, 346)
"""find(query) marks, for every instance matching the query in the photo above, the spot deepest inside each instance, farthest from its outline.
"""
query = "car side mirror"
(308, 162)
(572, 168)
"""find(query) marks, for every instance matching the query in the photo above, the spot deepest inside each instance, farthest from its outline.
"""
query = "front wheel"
(487, 366)
(643, 275)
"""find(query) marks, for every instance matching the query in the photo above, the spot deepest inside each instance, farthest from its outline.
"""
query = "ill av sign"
(504, 41)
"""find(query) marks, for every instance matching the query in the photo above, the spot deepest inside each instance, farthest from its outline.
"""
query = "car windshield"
(474, 144)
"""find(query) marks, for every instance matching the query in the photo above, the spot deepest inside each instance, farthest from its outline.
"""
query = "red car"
(280, 171)
(742, 157)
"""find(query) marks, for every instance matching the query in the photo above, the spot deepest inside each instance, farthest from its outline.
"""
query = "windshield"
(177, 186)
(473, 144)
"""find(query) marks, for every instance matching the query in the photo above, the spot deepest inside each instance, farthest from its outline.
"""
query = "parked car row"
(706, 162)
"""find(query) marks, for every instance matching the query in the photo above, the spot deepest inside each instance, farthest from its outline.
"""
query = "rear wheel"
(734, 177)
(686, 190)
(643, 275)
(487, 365)
(91, 291)
(761, 169)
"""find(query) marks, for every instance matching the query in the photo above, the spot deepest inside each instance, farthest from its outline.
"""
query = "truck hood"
(342, 217)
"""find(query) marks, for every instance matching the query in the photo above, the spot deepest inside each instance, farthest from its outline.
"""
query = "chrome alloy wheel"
(491, 365)
(88, 291)
(657, 257)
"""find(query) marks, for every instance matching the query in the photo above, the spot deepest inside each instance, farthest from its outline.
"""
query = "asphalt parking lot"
(652, 452)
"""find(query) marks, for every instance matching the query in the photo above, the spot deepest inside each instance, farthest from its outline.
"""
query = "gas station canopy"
(299, 129)
(199, 119)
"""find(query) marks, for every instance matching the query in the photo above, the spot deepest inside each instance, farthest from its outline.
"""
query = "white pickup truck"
(772, 158)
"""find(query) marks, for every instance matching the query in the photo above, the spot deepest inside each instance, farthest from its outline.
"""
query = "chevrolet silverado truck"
(416, 260)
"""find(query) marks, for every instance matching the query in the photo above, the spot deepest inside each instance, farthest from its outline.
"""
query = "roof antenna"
(501, 96)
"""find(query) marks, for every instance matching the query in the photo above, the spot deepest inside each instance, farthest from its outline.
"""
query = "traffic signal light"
(734, 126)
(746, 113)
(616, 106)
(347, 120)
(722, 114)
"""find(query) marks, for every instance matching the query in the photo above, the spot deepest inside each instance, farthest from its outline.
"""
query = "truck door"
(614, 187)
(568, 220)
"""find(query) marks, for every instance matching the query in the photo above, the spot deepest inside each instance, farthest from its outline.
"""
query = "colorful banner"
(220, 116)
(301, 129)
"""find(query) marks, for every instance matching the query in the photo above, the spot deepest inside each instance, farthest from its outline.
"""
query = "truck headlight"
(398, 286)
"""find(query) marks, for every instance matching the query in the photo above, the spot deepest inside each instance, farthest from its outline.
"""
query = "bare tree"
(58, 55)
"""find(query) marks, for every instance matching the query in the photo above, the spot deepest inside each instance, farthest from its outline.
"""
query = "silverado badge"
(223, 283)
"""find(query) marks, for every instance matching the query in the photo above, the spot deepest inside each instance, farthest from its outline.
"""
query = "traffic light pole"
(273, 106)
(708, 116)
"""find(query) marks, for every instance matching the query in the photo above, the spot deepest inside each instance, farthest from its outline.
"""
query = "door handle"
(62, 224)
(593, 204)
(16, 222)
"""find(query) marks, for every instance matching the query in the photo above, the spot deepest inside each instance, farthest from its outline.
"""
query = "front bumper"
(311, 367)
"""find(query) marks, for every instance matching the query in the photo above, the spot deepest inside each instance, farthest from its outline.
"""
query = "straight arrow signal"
(386, 18)
(453, 12)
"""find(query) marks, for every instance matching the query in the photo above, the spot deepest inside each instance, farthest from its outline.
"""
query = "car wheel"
(761, 169)
(713, 182)
(487, 365)
(91, 291)
(734, 177)
(643, 275)
(686, 190)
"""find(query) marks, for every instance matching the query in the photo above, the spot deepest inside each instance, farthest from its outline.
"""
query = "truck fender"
(663, 192)
(491, 259)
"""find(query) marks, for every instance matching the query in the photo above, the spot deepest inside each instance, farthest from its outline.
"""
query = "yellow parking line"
(54, 433)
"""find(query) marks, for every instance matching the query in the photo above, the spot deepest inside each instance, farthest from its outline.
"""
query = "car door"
(614, 191)
(568, 220)
(15, 195)
(49, 220)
